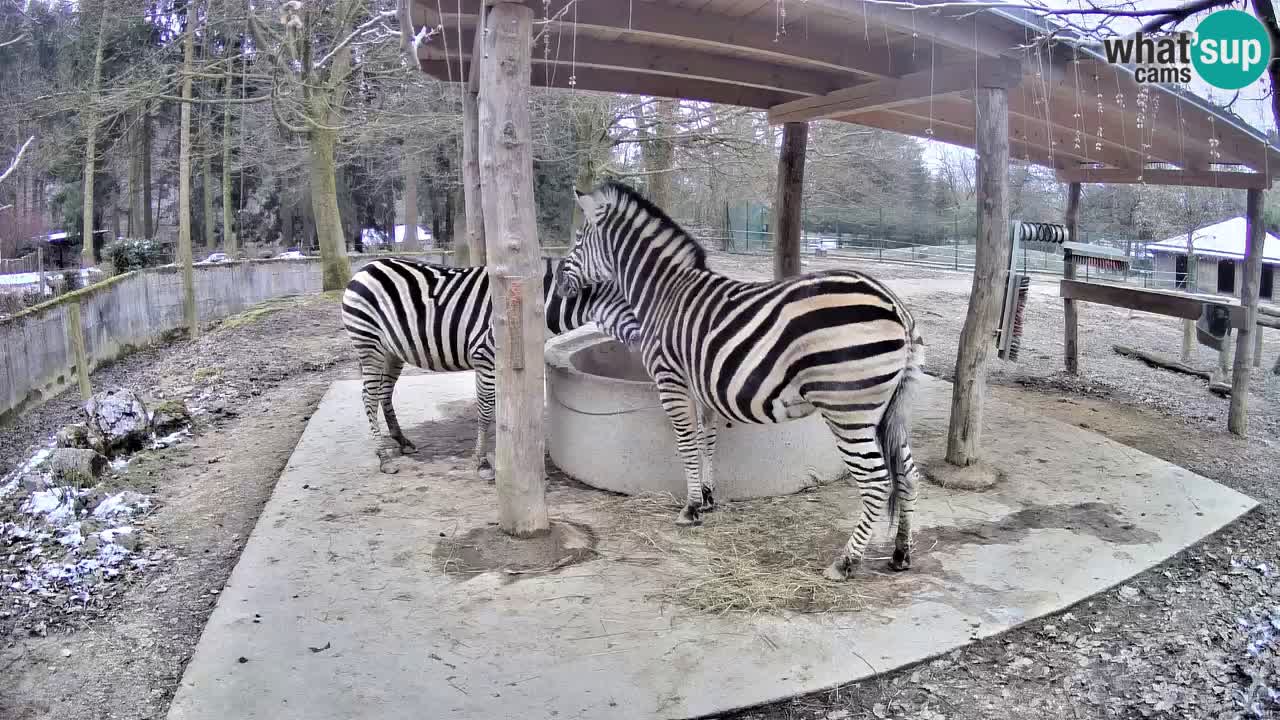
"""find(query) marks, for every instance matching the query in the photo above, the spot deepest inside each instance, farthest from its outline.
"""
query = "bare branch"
(17, 159)
(15, 41)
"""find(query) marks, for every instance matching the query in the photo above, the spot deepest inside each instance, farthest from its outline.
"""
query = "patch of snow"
(109, 535)
(171, 438)
(10, 481)
(57, 505)
(122, 503)
(70, 536)
(119, 464)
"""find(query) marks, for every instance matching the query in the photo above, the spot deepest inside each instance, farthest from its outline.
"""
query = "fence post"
(40, 269)
(75, 335)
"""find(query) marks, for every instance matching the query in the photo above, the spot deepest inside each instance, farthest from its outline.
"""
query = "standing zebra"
(439, 318)
(837, 343)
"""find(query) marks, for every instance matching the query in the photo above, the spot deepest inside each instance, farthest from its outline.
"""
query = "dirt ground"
(257, 378)
(1195, 638)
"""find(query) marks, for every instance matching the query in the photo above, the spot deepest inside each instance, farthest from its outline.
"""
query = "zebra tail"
(894, 430)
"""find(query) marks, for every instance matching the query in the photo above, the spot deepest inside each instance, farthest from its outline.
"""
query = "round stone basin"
(606, 429)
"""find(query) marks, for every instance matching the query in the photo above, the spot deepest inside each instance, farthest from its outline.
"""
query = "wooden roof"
(909, 71)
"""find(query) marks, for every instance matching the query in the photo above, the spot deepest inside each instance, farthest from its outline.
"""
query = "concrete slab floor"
(337, 608)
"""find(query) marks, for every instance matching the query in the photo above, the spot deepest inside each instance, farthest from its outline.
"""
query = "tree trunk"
(149, 221)
(230, 243)
(789, 199)
(206, 184)
(184, 183)
(409, 166)
(991, 255)
(324, 206)
(1238, 419)
(515, 273)
(448, 221)
(659, 153)
(472, 200)
(135, 181)
(91, 144)
(1188, 340)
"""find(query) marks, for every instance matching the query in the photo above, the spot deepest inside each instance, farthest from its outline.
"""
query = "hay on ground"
(758, 556)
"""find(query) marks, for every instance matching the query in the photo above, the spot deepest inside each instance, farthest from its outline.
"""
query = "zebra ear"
(587, 202)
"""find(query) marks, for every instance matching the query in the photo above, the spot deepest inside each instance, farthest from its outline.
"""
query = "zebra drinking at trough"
(838, 343)
(439, 318)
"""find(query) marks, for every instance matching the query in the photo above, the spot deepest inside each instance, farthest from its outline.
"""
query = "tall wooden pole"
(1237, 419)
(189, 314)
(472, 196)
(789, 200)
(1070, 335)
(515, 267)
(991, 257)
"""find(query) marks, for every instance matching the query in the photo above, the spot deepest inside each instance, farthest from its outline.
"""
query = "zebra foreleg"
(710, 422)
(681, 410)
(484, 420)
(862, 456)
(390, 374)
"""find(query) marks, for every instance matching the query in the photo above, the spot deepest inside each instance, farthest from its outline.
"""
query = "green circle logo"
(1232, 49)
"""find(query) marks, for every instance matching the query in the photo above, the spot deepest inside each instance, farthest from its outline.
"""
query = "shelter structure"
(1003, 82)
(1219, 251)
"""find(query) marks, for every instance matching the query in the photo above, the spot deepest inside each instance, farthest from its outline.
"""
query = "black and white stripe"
(400, 312)
(838, 343)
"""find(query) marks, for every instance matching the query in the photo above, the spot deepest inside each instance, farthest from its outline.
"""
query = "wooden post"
(75, 336)
(472, 197)
(1237, 419)
(1070, 334)
(991, 262)
(40, 270)
(789, 199)
(1257, 347)
(515, 267)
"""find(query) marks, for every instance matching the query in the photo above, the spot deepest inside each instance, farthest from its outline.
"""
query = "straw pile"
(758, 556)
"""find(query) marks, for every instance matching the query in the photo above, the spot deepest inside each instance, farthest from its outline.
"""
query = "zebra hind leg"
(906, 479)
(390, 374)
(484, 420)
(860, 448)
(710, 428)
(371, 387)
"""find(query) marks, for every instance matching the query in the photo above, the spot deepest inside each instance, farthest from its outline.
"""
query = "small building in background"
(1219, 258)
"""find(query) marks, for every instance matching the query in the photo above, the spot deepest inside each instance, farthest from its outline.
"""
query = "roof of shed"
(1223, 240)
(879, 65)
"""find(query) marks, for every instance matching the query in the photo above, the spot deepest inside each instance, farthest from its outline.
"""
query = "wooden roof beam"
(896, 92)
(706, 31)
(1117, 129)
(957, 134)
(630, 82)
(968, 33)
(1149, 176)
(593, 52)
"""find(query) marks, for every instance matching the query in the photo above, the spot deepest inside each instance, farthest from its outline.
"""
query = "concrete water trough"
(607, 429)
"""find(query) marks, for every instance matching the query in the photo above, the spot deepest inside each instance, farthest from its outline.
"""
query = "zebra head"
(587, 263)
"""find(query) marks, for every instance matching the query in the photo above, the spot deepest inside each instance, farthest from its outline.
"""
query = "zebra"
(439, 318)
(838, 343)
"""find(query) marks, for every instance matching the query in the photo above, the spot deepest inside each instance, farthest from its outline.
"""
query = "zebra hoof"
(900, 561)
(708, 500)
(486, 473)
(690, 516)
(386, 467)
(408, 448)
(840, 570)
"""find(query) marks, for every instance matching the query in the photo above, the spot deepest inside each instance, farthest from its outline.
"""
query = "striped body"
(400, 312)
(838, 343)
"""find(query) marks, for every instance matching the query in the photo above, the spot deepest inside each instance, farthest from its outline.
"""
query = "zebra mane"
(698, 253)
